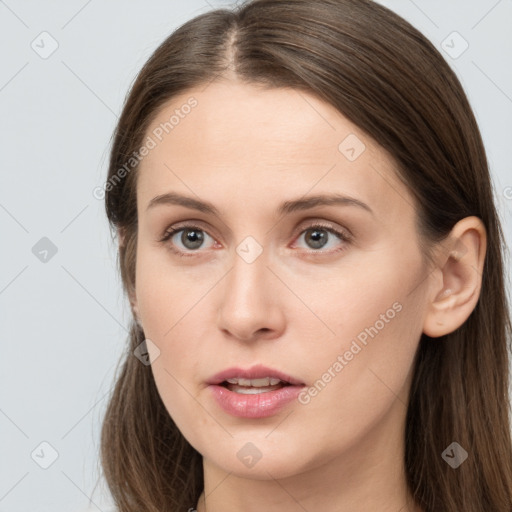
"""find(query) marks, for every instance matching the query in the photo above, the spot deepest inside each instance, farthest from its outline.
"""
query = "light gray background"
(63, 321)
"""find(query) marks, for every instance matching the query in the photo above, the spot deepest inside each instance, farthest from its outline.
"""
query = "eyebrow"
(304, 203)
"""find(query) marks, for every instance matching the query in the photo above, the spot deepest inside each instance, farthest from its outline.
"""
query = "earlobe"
(461, 267)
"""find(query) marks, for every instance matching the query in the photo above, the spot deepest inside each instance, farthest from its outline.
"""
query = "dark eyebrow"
(304, 203)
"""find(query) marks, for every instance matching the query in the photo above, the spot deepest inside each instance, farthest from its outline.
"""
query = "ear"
(131, 293)
(453, 300)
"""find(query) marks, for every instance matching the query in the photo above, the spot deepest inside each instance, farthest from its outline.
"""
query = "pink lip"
(255, 372)
(258, 405)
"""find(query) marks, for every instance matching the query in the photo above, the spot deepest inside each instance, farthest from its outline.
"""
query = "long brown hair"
(389, 80)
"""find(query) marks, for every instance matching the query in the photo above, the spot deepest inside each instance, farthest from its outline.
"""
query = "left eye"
(317, 237)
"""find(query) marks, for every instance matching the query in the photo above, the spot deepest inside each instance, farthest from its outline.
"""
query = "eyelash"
(342, 235)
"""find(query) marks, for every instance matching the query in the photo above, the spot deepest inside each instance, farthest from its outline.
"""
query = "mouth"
(253, 386)
(256, 377)
(255, 392)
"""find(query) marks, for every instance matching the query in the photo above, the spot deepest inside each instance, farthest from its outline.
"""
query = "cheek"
(360, 377)
(377, 322)
(352, 298)
(170, 305)
(173, 381)
(168, 295)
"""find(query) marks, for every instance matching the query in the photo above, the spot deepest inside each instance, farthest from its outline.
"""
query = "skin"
(297, 306)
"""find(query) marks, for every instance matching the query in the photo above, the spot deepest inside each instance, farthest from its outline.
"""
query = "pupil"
(192, 238)
(319, 237)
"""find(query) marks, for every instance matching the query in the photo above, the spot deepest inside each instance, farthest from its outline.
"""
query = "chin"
(259, 460)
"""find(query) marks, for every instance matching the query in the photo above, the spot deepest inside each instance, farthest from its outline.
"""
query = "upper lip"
(258, 371)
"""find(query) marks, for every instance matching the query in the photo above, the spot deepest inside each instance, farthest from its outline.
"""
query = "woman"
(309, 242)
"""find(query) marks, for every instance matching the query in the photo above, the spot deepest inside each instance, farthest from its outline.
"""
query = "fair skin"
(297, 306)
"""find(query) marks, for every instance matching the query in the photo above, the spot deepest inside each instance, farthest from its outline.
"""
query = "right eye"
(190, 237)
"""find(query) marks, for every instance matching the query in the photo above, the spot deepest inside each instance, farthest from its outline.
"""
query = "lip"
(258, 371)
(259, 405)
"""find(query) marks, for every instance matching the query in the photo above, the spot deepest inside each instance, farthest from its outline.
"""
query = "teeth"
(256, 383)
(247, 390)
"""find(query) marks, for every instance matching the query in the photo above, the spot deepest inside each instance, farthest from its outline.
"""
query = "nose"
(250, 306)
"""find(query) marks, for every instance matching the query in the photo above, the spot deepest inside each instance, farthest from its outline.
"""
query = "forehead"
(231, 138)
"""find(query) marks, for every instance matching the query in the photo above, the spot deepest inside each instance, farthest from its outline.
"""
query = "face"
(249, 271)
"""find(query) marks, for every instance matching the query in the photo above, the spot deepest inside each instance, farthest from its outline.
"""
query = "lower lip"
(258, 405)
